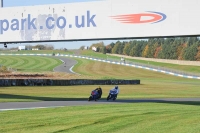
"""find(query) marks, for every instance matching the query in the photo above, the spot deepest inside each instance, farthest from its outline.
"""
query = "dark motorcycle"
(112, 95)
(94, 96)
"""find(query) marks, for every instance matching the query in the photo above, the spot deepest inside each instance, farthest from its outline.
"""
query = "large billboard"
(103, 19)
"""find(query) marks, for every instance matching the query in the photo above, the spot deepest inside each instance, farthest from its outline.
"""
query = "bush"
(3, 69)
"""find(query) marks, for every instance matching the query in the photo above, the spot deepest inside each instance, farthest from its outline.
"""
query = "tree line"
(40, 47)
(179, 48)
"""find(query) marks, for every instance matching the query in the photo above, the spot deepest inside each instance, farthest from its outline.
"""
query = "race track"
(53, 104)
(67, 65)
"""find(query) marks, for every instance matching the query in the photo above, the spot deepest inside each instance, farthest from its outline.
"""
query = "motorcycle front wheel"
(90, 98)
(108, 97)
(114, 98)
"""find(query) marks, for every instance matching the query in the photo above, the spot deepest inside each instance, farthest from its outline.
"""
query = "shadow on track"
(183, 101)
(12, 96)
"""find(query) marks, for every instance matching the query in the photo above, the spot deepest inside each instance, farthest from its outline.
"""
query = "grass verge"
(30, 63)
(118, 118)
(147, 89)
(192, 69)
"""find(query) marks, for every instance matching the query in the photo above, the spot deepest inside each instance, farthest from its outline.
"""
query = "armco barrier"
(50, 82)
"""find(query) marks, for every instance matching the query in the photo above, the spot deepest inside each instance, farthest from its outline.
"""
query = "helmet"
(116, 87)
(98, 88)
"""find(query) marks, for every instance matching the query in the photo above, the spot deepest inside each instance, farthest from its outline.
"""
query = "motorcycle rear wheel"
(108, 97)
(90, 98)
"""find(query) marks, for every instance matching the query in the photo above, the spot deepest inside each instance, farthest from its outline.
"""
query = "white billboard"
(105, 19)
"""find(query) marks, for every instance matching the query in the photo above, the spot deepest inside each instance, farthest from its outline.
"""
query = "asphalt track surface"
(67, 65)
(53, 104)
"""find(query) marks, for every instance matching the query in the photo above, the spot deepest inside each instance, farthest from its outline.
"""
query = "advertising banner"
(105, 19)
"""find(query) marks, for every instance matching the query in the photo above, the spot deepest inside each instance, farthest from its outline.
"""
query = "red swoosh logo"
(136, 18)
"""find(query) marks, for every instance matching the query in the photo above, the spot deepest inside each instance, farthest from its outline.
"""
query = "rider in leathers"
(116, 89)
(99, 90)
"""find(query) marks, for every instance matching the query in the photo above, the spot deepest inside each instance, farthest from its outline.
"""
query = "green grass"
(147, 89)
(192, 69)
(118, 118)
(98, 55)
(151, 117)
(153, 85)
(30, 63)
(112, 71)
(183, 68)
(186, 68)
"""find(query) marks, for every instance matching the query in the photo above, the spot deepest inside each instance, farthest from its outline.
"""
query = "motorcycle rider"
(99, 90)
(95, 95)
(116, 89)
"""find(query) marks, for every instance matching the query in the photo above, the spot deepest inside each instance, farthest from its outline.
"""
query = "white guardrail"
(118, 63)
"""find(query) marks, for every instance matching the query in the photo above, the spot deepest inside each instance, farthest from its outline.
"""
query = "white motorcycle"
(112, 95)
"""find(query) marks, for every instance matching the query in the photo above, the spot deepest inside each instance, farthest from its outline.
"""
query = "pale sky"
(68, 45)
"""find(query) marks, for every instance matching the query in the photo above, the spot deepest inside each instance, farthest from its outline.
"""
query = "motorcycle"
(112, 95)
(94, 96)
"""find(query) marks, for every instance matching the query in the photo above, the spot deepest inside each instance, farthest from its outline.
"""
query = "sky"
(57, 45)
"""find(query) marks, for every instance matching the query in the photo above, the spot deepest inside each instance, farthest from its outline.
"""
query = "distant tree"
(150, 52)
(40, 47)
(126, 49)
(138, 50)
(164, 48)
(173, 50)
(97, 45)
(103, 50)
(180, 51)
(157, 51)
(198, 54)
(120, 49)
(160, 41)
(82, 47)
(48, 47)
(115, 48)
(132, 51)
(191, 52)
(112, 45)
(65, 49)
(184, 40)
(28, 47)
(108, 49)
(192, 40)
(145, 51)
